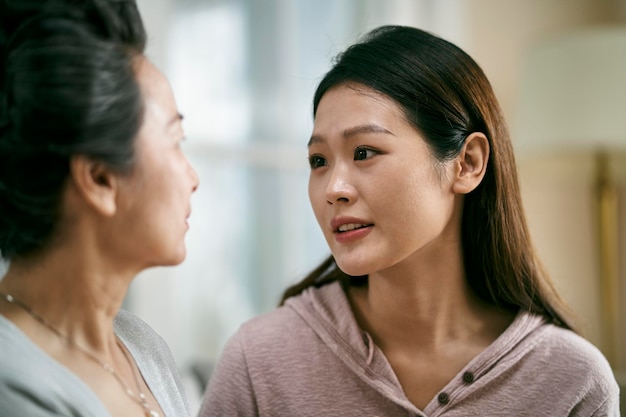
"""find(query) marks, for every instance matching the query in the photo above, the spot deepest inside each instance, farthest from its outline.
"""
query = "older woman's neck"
(73, 290)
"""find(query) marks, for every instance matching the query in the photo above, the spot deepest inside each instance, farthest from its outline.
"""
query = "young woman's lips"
(350, 229)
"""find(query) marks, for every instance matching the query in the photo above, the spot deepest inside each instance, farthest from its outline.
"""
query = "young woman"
(433, 301)
(93, 189)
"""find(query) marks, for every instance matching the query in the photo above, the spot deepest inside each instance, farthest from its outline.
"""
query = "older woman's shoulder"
(129, 325)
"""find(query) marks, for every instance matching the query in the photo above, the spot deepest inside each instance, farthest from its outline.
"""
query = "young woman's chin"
(353, 267)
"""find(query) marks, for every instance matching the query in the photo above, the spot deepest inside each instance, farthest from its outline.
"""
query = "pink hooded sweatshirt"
(310, 358)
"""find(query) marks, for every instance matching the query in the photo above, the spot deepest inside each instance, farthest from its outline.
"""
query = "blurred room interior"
(244, 72)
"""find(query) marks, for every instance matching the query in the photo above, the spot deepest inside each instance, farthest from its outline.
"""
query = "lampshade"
(573, 94)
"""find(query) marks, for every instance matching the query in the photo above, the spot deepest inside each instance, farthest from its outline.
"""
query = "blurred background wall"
(244, 72)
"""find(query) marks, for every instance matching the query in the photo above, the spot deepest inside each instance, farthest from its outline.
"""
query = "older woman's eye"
(316, 161)
(363, 153)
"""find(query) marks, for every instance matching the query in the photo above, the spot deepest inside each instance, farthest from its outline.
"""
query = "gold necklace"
(139, 398)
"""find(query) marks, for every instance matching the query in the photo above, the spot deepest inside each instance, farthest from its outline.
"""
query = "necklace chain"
(139, 398)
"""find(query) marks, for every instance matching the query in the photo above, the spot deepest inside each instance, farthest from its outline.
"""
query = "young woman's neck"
(423, 303)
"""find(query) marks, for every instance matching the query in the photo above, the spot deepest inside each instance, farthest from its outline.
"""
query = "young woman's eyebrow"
(352, 131)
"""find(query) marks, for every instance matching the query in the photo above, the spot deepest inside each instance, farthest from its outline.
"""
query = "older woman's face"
(155, 197)
(375, 187)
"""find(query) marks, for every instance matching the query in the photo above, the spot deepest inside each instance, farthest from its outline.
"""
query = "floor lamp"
(573, 98)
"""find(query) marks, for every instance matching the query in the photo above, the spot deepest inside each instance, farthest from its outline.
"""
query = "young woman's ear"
(95, 183)
(471, 163)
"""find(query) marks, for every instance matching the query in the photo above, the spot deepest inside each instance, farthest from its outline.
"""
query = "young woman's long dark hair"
(67, 87)
(446, 96)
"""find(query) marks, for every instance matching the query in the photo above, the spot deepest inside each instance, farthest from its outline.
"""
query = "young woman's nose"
(340, 187)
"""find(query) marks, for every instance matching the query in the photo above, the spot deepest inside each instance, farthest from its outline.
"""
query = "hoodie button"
(468, 377)
(443, 398)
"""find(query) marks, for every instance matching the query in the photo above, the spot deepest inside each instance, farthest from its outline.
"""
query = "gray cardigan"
(35, 385)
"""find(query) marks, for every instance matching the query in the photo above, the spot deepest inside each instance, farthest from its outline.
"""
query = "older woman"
(94, 188)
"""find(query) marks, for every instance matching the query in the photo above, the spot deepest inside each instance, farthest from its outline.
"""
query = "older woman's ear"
(471, 163)
(95, 183)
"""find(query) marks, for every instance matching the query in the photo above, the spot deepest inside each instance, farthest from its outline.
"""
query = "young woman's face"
(375, 187)
(155, 197)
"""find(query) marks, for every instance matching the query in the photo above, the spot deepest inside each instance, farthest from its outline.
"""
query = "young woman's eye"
(316, 161)
(363, 153)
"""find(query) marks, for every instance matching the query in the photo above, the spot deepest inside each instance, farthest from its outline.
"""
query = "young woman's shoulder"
(265, 339)
(536, 368)
(277, 323)
(289, 361)
(566, 368)
(564, 347)
(316, 313)
(289, 335)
